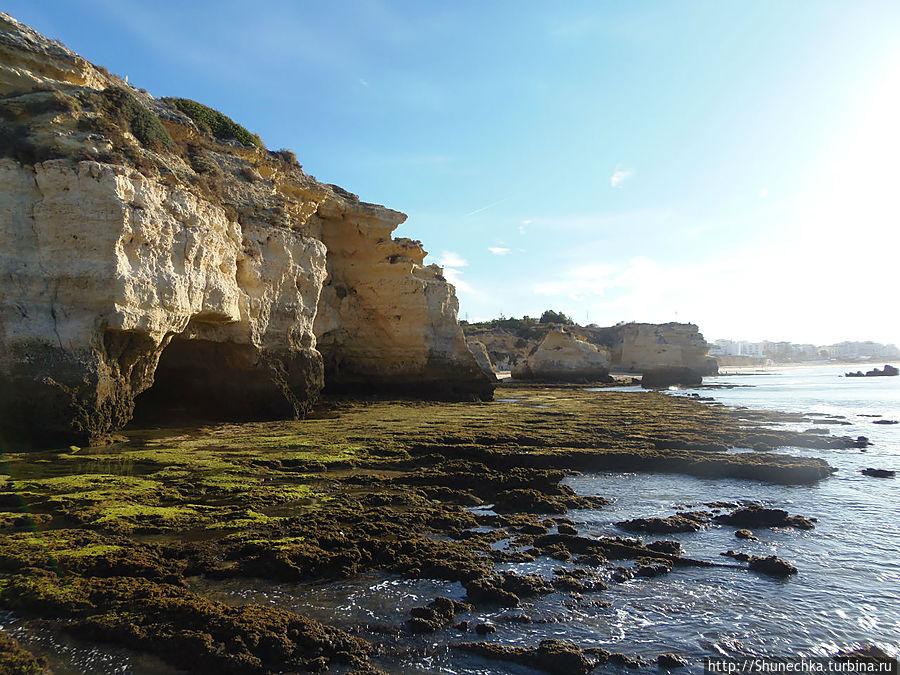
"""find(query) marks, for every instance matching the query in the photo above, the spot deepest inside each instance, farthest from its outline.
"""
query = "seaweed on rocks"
(690, 521)
(771, 565)
(550, 656)
(506, 588)
(760, 516)
(437, 614)
(16, 660)
(122, 529)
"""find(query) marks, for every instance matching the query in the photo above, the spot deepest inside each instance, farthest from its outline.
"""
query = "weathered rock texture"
(383, 316)
(141, 254)
(482, 358)
(561, 356)
(631, 347)
(639, 347)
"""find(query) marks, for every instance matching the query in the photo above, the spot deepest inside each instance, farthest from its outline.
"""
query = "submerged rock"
(887, 371)
(652, 567)
(437, 614)
(550, 656)
(690, 521)
(761, 516)
(865, 653)
(670, 660)
(771, 565)
(506, 588)
(666, 546)
(737, 555)
(668, 376)
(878, 473)
(485, 628)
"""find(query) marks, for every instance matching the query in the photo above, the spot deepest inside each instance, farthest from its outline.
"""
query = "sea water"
(847, 591)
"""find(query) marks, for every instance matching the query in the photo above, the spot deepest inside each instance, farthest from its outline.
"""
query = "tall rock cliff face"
(145, 259)
(384, 317)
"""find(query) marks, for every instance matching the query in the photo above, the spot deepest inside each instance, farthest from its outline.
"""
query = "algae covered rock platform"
(106, 544)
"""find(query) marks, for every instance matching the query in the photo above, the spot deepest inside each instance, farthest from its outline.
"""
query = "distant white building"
(736, 348)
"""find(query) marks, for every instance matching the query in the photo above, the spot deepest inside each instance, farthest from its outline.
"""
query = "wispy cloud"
(455, 277)
(578, 281)
(489, 206)
(763, 193)
(523, 227)
(620, 176)
(498, 250)
(451, 259)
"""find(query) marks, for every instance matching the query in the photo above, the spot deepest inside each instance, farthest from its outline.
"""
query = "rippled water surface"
(847, 590)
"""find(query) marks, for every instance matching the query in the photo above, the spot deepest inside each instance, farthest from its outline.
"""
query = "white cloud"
(620, 176)
(582, 280)
(763, 193)
(451, 259)
(363, 82)
(498, 250)
(455, 277)
(525, 224)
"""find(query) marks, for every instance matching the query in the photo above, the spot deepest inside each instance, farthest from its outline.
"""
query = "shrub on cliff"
(213, 122)
(550, 316)
(124, 110)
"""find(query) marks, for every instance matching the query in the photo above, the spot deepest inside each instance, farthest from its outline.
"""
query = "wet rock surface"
(15, 660)
(337, 495)
(670, 660)
(437, 614)
(682, 522)
(878, 473)
(669, 376)
(771, 565)
(552, 656)
(761, 516)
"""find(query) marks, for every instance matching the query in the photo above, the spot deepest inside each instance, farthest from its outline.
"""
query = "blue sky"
(733, 164)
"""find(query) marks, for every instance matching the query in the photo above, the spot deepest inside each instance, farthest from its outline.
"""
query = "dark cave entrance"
(207, 381)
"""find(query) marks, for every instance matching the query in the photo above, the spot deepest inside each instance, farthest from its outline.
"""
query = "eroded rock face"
(639, 347)
(141, 256)
(631, 347)
(386, 321)
(108, 270)
(482, 358)
(561, 356)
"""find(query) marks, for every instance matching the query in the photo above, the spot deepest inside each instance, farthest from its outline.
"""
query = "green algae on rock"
(361, 486)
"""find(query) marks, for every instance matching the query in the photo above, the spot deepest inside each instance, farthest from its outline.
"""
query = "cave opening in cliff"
(200, 380)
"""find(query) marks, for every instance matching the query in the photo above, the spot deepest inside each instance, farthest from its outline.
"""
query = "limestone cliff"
(638, 347)
(560, 356)
(632, 347)
(155, 246)
(482, 358)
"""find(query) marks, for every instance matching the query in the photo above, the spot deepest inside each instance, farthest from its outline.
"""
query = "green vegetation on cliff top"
(213, 122)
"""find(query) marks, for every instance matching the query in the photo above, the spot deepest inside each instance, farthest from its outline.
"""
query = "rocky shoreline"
(101, 543)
